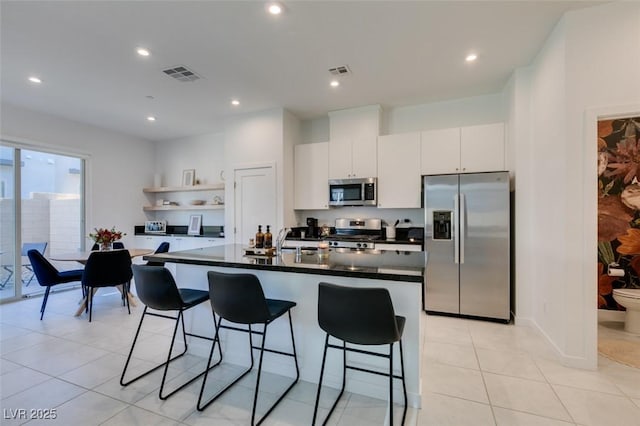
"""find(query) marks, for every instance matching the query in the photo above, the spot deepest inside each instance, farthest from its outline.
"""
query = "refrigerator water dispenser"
(442, 225)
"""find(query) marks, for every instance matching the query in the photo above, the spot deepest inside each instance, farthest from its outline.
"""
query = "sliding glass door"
(7, 222)
(50, 209)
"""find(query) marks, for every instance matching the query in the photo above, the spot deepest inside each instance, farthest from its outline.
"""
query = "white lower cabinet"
(191, 243)
(176, 243)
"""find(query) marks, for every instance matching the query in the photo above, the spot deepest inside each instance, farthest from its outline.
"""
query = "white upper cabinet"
(482, 148)
(469, 149)
(353, 157)
(399, 171)
(440, 151)
(353, 142)
(340, 158)
(364, 156)
(311, 175)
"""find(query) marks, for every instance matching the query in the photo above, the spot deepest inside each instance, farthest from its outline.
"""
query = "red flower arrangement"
(106, 236)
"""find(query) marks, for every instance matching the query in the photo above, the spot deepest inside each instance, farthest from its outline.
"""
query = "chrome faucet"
(282, 235)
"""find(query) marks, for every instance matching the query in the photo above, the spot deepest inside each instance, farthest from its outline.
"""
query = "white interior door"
(255, 202)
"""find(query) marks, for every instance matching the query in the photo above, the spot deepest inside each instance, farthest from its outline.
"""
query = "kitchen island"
(296, 277)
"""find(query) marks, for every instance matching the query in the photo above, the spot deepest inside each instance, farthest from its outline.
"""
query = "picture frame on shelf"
(195, 223)
(188, 177)
(155, 227)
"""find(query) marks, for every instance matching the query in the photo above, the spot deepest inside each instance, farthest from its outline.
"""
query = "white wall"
(205, 154)
(548, 187)
(118, 166)
(519, 151)
(315, 130)
(440, 115)
(255, 139)
(291, 135)
(585, 65)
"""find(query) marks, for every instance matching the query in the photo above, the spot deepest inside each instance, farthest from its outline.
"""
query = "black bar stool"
(157, 289)
(238, 298)
(361, 316)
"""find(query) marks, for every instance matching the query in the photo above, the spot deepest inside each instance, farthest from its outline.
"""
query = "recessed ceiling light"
(471, 57)
(334, 83)
(235, 102)
(143, 52)
(151, 118)
(275, 8)
(34, 79)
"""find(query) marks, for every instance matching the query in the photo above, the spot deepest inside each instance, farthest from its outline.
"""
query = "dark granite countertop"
(380, 240)
(381, 265)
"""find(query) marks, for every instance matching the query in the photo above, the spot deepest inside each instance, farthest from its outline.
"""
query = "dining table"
(83, 256)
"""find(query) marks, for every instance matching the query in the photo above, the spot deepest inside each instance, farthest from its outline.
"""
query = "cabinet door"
(364, 155)
(146, 242)
(482, 148)
(340, 158)
(311, 175)
(440, 151)
(399, 171)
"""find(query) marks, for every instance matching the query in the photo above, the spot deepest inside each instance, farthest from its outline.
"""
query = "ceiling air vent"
(181, 73)
(341, 70)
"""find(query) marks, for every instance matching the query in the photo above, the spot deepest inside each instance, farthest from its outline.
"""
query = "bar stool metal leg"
(391, 384)
(404, 384)
(178, 319)
(200, 406)
(345, 366)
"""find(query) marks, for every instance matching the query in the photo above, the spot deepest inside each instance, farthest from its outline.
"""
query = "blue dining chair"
(48, 276)
(162, 248)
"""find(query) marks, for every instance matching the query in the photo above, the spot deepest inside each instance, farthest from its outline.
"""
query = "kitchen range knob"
(358, 245)
(364, 245)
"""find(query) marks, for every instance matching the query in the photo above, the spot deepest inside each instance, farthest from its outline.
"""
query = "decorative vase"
(106, 246)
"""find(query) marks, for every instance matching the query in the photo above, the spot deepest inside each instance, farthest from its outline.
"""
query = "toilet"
(630, 299)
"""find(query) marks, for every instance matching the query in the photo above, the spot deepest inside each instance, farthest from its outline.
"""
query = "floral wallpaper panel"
(618, 208)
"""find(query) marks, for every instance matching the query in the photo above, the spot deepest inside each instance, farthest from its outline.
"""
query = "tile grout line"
(554, 392)
(484, 383)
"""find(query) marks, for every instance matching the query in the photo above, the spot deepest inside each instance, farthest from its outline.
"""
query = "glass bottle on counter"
(259, 237)
(268, 238)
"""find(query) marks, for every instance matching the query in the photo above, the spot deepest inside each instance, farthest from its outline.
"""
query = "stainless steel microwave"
(353, 192)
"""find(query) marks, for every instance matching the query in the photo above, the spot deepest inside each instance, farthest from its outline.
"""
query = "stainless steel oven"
(353, 192)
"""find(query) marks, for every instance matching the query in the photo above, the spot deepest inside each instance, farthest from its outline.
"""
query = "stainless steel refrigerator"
(467, 244)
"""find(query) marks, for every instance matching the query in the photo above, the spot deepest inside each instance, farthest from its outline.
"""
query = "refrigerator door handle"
(462, 225)
(456, 231)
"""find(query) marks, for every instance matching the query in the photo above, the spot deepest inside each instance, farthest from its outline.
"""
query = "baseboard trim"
(566, 360)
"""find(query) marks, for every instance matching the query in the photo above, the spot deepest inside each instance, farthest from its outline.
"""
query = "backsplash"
(328, 217)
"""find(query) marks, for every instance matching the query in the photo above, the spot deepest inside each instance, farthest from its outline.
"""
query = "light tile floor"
(474, 373)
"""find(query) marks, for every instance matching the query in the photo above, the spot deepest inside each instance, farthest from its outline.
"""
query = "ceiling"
(399, 53)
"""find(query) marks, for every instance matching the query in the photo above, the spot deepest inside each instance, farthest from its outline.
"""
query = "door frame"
(590, 226)
(230, 196)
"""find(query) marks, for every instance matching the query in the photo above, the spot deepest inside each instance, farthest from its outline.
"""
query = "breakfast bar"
(295, 276)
